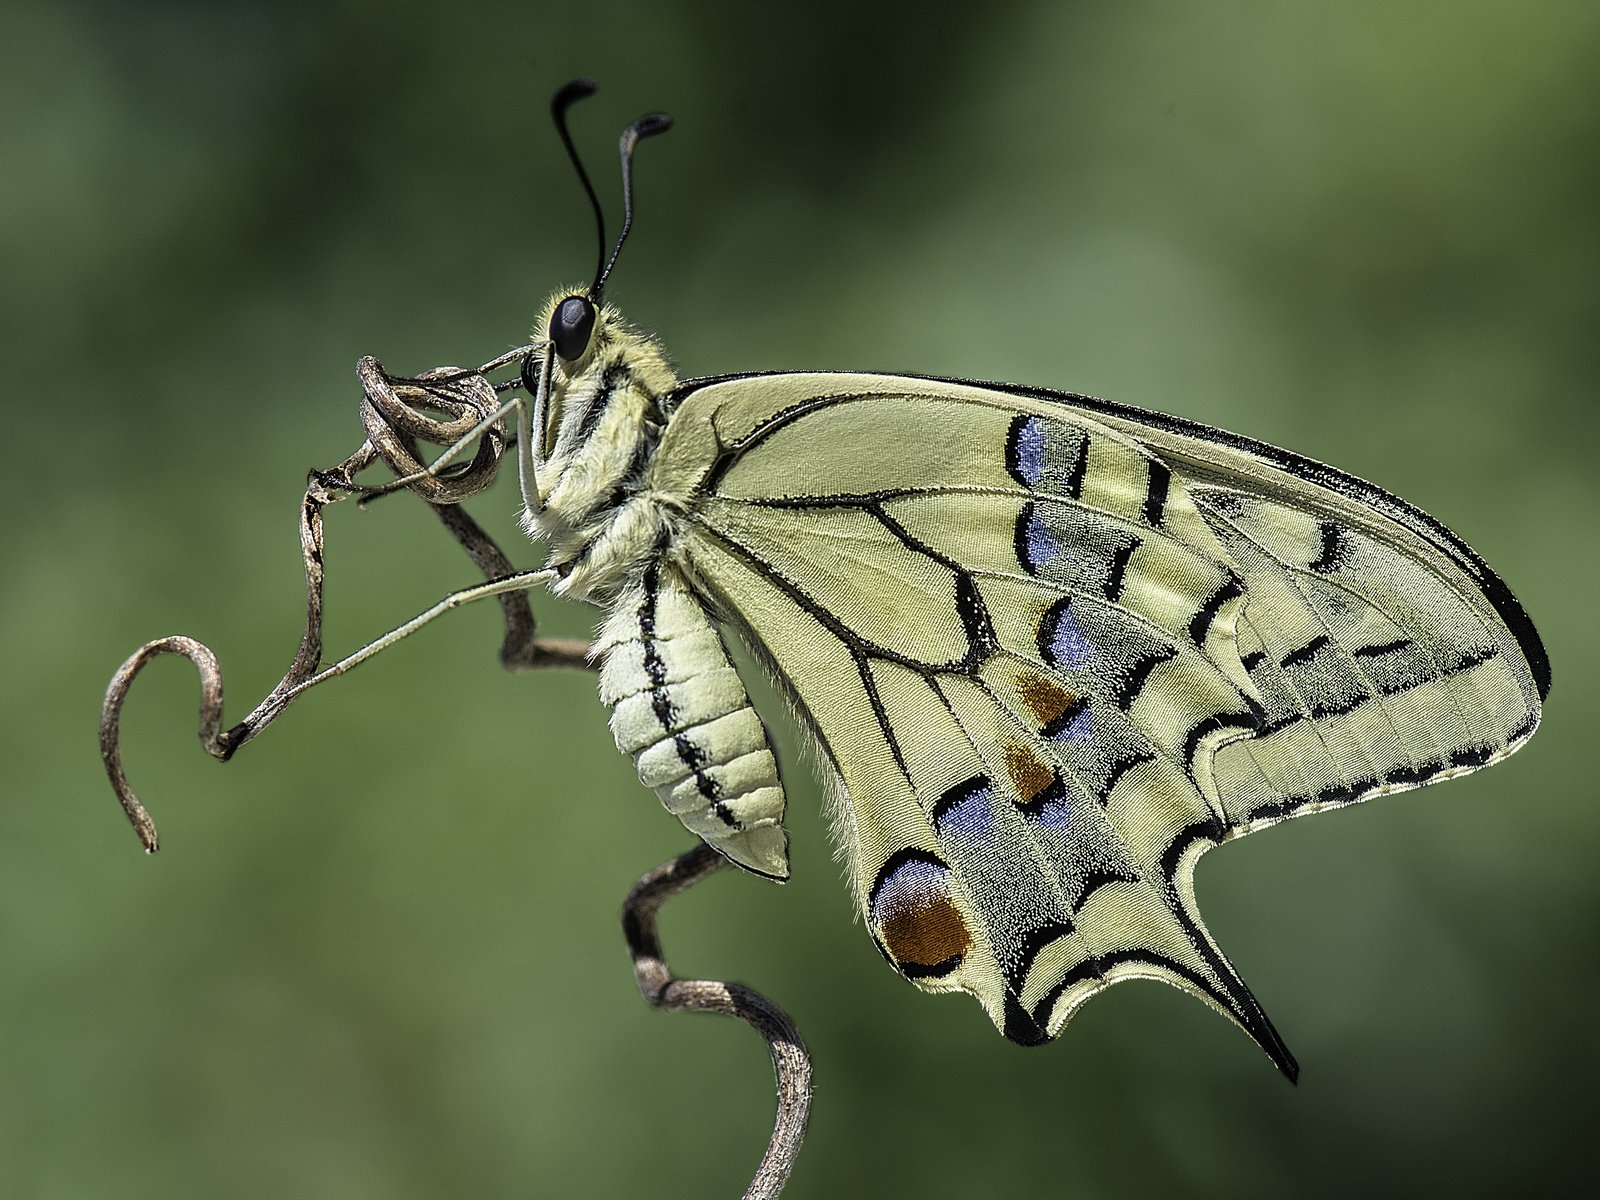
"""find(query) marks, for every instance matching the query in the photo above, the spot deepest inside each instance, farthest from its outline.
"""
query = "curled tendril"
(111, 719)
(398, 413)
(791, 1063)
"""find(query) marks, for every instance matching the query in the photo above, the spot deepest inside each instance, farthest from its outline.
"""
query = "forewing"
(1050, 662)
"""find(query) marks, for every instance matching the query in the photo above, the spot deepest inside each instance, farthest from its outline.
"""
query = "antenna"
(570, 94)
(646, 126)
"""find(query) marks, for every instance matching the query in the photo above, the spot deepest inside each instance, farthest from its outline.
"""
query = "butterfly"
(1047, 649)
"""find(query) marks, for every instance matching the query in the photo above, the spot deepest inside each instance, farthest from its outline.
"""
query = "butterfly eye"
(570, 327)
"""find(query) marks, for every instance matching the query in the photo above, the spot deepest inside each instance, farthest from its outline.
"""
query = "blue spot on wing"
(1079, 729)
(1062, 642)
(966, 811)
(1041, 544)
(1025, 451)
(1050, 809)
(1046, 455)
(910, 883)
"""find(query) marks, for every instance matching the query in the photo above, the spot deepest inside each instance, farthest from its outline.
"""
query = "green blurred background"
(378, 955)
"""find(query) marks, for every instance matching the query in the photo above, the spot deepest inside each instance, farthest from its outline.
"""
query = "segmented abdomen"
(679, 708)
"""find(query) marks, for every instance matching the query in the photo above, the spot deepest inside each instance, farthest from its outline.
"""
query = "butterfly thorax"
(603, 420)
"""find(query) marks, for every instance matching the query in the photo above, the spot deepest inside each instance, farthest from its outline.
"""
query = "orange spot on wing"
(1046, 700)
(1029, 776)
(928, 933)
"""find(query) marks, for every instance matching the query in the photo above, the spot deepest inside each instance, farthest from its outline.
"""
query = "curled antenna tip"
(649, 126)
(570, 93)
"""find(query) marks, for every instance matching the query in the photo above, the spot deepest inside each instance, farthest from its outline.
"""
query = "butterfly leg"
(530, 455)
(522, 649)
(790, 1062)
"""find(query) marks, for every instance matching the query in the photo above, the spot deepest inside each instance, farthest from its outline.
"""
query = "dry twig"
(790, 1062)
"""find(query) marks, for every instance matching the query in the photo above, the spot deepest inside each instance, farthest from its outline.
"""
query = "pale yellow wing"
(1052, 650)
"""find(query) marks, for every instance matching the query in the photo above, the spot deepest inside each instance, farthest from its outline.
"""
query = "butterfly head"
(579, 334)
(589, 353)
(571, 326)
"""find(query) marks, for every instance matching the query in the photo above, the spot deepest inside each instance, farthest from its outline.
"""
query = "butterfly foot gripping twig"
(790, 1062)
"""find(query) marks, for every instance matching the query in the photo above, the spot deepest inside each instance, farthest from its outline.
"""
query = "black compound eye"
(571, 326)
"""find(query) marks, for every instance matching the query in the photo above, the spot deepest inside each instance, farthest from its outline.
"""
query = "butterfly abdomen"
(680, 710)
